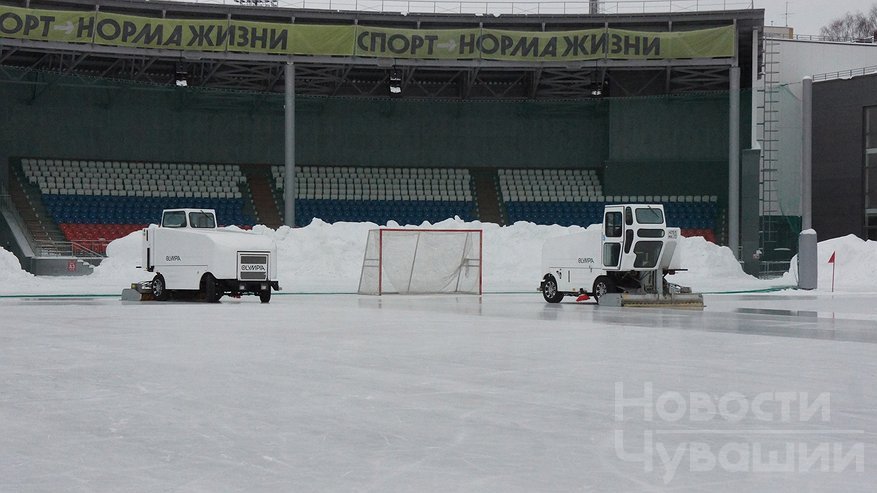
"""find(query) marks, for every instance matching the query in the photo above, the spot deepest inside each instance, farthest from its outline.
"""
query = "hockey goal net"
(422, 261)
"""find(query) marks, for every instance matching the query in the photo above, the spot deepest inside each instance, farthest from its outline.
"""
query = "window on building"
(871, 172)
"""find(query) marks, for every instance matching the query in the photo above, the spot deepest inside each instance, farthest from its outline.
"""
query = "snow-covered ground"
(327, 258)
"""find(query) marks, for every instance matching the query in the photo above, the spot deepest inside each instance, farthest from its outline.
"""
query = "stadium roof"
(366, 76)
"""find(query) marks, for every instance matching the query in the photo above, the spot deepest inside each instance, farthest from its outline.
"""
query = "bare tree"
(852, 26)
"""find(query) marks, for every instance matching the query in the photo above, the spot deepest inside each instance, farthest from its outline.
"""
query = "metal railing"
(51, 248)
(819, 37)
(473, 7)
(771, 269)
(76, 248)
(845, 74)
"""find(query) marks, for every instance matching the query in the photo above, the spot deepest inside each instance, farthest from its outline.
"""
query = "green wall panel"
(674, 128)
(126, 124)
(421, 133)
(191, 125)
(666, 178)
(677, 145)
(673, 145)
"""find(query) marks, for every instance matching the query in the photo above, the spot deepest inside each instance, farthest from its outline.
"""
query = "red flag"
(831, 260)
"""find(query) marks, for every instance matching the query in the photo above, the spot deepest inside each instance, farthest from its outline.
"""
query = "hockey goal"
(422, 261)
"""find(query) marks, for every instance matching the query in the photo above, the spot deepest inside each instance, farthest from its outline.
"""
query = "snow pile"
(855, 265)
(11, 274)
(513, 254)
(713, 268)
(322, 258)
(325, 258)
(119, 269)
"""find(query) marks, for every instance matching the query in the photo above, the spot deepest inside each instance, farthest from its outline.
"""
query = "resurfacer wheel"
(210, 289)
(159, 289)
(265, 296)
(603, 285)
(549, 290)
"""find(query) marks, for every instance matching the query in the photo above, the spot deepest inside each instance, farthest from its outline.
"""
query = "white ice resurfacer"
(623, 263)
(189, 256)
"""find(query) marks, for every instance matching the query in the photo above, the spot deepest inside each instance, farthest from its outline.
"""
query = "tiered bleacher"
(405, 195)
(575, 196)
(94, 202)
(550, 185)
(104, 200)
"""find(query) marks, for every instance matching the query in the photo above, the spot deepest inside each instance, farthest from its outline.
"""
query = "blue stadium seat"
(98, 209)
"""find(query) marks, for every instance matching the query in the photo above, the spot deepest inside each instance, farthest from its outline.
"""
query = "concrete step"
(259, 181)
(486, 192)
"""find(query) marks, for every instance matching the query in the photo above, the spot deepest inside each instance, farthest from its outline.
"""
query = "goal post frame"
(380, 259)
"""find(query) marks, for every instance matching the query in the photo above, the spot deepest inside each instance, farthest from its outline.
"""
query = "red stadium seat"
(95, 237)
(708, 234)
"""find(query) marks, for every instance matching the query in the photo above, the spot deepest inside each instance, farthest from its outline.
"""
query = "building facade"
(845, 157)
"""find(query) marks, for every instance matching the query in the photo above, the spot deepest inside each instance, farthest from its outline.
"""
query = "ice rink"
(769, 392)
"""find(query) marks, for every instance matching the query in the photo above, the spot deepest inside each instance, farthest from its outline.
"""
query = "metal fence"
(474, 7)
(76, 248)
(820, 38)
(845, 74)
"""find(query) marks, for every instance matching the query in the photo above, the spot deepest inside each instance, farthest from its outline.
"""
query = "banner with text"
(108, 29)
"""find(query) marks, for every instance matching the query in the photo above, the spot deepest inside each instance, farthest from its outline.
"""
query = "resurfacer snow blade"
(687, 300)
(134, 295)
(139, 291)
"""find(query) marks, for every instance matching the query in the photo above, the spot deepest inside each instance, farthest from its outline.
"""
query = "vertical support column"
(808, 263)
(806, 157)
(808, 266)
(749, 238)
(734, 162)
(289, 147)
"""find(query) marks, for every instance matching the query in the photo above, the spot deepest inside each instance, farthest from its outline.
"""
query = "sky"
(807, 16)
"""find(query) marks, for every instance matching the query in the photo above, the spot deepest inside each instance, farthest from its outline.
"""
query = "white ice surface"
(494, 393)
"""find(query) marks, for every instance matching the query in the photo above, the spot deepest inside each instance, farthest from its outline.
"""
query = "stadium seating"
(134, 179)
(549, 185)
(406, 195)
(94, 237)
(95, 202)
(103, 209)
(566, 197)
